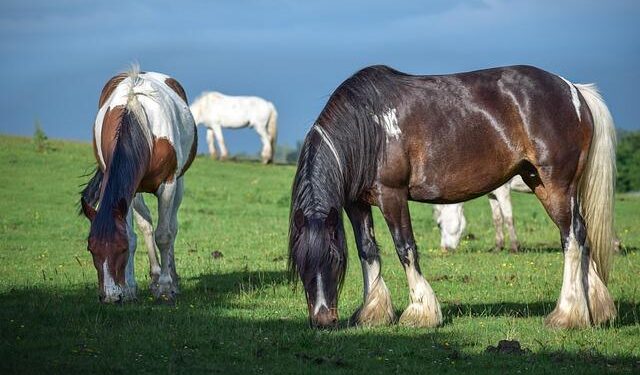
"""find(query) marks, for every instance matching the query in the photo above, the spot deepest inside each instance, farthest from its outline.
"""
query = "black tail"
(91, 191)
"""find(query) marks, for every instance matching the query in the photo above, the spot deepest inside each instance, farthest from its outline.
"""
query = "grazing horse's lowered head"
(319, 257)
(109, 249)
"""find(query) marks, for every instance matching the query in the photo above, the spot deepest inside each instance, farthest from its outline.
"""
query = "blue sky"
(56, 55)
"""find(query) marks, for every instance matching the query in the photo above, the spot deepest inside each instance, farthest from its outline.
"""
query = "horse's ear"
(299, 219)
(121, 209)
(332, 218)
(87, 209)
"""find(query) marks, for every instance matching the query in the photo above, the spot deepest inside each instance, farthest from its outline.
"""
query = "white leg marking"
(144, 221)
(320, 300)
(376, 308)
(424, 310)
(574, 96)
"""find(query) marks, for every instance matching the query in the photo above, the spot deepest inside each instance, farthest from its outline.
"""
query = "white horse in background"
(215, 111)
(451, 221)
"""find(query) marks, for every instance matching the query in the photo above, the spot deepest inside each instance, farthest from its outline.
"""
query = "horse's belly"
(459, 185)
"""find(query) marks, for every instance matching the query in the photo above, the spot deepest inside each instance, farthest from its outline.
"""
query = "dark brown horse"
(386, 137)
(144, 141)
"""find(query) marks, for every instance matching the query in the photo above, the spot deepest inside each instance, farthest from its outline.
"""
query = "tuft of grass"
(237, 312)
(40, 139)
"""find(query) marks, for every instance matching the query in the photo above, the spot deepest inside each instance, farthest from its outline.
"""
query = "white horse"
(451, 221)
(215, 111)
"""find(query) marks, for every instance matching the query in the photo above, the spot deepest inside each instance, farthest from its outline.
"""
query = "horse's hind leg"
(424, 310)
(583, 295)
(267, 152)
(145, 224)
(376, 308)
(217, 130)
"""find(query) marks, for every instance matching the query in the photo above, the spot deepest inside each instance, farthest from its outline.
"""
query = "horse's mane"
(349, 122)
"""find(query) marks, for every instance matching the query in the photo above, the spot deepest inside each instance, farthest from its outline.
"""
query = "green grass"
(239, 314)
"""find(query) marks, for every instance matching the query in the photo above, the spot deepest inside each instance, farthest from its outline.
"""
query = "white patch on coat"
(329, 143)
(320, 299)
(574, 96)
(389, 122)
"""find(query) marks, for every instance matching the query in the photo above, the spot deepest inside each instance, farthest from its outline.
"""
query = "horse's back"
(482, 124)
(164, 103)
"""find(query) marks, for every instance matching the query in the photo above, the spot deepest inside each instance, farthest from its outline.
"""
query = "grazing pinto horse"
(386, 137)
(215, 111)
(451, 221)
(144, 140)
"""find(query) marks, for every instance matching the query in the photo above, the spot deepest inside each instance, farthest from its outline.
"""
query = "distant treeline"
(628, 159)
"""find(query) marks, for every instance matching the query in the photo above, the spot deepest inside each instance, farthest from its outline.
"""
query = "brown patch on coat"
(177, 87)
(110, 126)
(109, 87)
(162, 166)
(192, 152)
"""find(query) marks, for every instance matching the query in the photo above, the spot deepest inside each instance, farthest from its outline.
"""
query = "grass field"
(238, 314)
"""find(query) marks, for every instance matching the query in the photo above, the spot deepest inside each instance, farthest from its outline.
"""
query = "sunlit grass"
(238, 313)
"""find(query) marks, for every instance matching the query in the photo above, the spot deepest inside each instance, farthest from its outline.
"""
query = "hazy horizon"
(58, 55)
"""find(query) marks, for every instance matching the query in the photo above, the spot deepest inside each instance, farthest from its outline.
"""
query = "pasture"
(237, 312)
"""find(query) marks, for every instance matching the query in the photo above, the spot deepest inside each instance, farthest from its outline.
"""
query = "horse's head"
(109, 246)
(317, 252)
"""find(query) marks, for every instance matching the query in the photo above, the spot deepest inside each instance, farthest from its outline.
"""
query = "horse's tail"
(597, 185)
(272, 129)
(91, 192)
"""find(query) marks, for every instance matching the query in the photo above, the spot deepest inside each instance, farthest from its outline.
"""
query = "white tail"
(597, 185)
(272, 129)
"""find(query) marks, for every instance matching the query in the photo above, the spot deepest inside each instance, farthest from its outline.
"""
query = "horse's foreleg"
(424, 310)
(503, 194)
(217, 130)
(131, 287)
(145, 224)
(376, 308)
(165, 237)
(211, 143)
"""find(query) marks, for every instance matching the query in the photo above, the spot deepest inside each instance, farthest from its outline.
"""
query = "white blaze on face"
(389, 122)
(320, 300)
(574, 96)
(111, 290)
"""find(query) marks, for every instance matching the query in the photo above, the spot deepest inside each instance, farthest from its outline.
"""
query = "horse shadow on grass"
(212, 330)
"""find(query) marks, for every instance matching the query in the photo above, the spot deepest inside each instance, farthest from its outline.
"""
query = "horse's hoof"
(420, 315)
(567, 319)
(377, 310)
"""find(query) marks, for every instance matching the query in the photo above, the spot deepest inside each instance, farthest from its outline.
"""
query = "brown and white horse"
(386, 137)
(144, 140)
